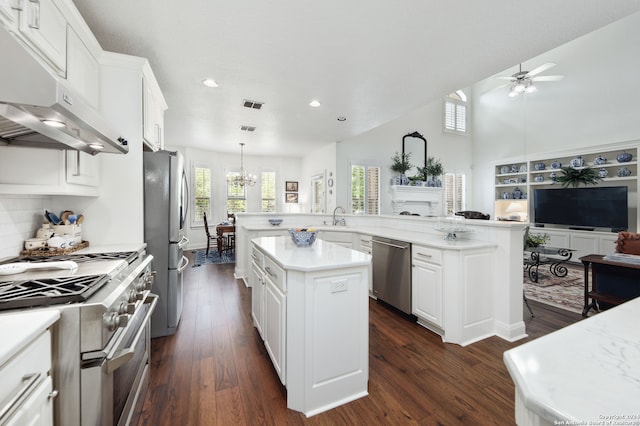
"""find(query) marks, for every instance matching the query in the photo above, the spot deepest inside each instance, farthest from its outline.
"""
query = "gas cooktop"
(39, 288)
(129, 256)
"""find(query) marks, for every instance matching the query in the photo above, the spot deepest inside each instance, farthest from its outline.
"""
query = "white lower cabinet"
(269, 308)
(582, 243)
(427, 291)
(275, 324)
(37, 410)
(451, 292)
(257, 297)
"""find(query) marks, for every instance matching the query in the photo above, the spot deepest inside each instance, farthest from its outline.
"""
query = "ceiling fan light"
(531, 89)
(519, 88)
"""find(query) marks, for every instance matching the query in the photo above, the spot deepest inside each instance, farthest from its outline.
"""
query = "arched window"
(455, 113)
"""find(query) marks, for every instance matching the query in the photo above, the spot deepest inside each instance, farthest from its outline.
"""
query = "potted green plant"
(434, 169)
(535, 240)
(575, 177)
(401, 164)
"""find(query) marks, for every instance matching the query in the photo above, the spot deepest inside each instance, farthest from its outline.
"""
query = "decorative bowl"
(303, 237)
(275, 222)
(624, 157)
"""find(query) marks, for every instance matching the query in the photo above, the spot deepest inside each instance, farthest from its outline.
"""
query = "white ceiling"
(369, 61)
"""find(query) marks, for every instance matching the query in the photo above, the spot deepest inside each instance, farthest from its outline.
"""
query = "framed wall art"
(291, 197)
(291, 186)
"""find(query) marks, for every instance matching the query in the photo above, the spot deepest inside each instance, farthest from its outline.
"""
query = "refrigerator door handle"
(183, 265)
(183, 242)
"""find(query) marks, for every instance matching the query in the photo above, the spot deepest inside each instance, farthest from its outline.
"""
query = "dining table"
(225, 242)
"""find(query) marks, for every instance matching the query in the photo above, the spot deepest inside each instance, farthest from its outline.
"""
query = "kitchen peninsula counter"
(481, 271)
(586, 373)
(311, 307)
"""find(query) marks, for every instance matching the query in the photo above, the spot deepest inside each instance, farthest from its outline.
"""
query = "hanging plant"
(401, 162)
(575, 177)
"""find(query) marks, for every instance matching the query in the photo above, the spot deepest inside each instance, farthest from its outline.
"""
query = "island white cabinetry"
(25, 368)
(427, 284)
(313, 302)
(452, 292)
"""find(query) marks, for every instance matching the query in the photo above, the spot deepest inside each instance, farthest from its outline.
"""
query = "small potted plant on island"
(435, 170)
(400, 165)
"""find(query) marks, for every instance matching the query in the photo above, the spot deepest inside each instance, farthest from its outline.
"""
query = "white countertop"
(18, 329)
(584, 372)
(436, 241)
(320, 256)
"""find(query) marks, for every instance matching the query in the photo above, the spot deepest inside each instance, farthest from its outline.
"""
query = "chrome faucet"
(336, 221)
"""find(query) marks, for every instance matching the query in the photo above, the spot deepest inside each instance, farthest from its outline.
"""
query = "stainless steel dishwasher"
(392, 272)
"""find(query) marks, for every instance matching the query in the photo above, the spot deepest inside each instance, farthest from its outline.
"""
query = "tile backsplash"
(20, 217)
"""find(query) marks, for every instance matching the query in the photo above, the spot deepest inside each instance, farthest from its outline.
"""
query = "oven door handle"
(123, 356)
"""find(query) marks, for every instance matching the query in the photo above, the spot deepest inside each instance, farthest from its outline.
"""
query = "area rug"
(199, 257)
(562, 292)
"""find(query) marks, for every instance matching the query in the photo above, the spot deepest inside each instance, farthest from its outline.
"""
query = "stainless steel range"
(101, 342)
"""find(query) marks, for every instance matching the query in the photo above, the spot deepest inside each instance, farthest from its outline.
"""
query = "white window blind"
(236, 196)
(365, 189)
(202, 192)
(454, 189)
(268, 192)
(455, 113)
(373, 190)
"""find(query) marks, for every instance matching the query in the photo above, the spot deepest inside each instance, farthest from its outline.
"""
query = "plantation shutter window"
(268, 192)
(454, 189)
(365, 189)
(236, 195)
(202, 193)
(455, 113)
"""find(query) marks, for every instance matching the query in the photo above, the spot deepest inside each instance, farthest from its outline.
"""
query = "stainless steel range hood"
(30, 96)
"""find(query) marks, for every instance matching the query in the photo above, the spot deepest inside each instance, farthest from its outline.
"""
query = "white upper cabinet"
(8, 13)
(83, 69)
(153, 107)
(82, 168)
(44, 28)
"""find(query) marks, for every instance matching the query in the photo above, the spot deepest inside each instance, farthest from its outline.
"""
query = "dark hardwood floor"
(215, 370)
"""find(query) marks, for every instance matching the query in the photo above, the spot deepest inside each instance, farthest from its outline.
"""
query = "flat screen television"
(597, 207)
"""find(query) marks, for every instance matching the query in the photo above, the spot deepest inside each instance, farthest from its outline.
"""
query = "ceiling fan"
(522, 81)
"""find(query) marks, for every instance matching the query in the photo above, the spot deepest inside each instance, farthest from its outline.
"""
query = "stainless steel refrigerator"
(166, 199)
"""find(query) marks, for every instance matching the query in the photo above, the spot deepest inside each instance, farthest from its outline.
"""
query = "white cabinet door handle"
(34, 14)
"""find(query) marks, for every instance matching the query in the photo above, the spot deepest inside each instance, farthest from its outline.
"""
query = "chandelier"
(243, 178)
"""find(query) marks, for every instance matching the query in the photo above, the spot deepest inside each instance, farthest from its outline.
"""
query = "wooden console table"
(611, 282)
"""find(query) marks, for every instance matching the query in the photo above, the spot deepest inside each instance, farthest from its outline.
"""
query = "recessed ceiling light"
(314, 103)
(342, 118)
(209, 82)
(53, 123)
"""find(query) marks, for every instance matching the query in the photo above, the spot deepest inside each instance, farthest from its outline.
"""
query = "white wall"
(377, 146)
(595, 104)
(320, 161)
(20, 218)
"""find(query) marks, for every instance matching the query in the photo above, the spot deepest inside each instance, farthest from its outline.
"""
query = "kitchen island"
(586, 373)
(311, 307)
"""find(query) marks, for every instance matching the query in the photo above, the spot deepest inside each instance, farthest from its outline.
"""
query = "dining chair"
(209, 236)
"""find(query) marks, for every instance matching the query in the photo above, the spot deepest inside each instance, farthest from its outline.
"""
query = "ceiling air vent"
(252, 104)
(248, 128)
